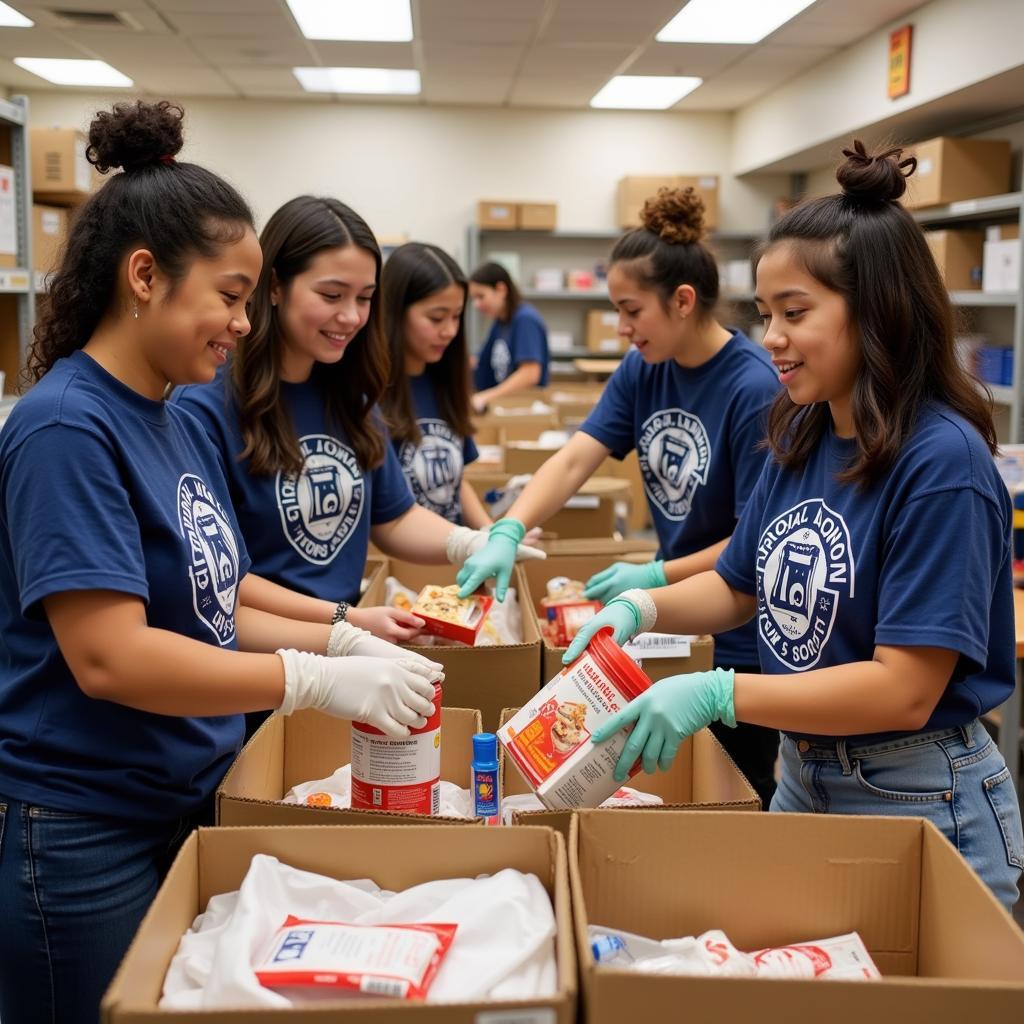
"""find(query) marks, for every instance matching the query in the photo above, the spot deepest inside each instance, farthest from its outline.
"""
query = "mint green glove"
(666, 714)
(495, 558)
(611, 582)
(620, 613)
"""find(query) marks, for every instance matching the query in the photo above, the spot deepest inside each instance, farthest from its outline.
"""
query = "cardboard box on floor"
(952, 170)
(946, 949)
(308, 745)
(484, 678)
(703, 777)
(581, 567)
(214, 861)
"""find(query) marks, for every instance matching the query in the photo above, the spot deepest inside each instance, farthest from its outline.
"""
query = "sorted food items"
(566, 610)
(448, 615)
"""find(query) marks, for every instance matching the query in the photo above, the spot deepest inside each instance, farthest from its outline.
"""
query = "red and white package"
(398, 960)
(844, 956)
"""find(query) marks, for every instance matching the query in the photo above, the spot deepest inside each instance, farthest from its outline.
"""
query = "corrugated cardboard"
(49, 235)
(703, 777)
(485, 678)
(537, 216)
(635, 190)
(497, 214)
(494, 429)
(582, 567)
(603, 333)
(526, 456)
(950, 170)
(308, 745)
(958, 255)
(947, 950)
(214, 861)
(60, 172)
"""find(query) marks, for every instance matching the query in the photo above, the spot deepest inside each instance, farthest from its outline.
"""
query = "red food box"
(445, 614)
(567, 618)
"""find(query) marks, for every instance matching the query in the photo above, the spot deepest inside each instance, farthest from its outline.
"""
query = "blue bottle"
(484, 778)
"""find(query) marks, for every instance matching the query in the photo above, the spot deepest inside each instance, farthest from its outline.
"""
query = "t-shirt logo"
(213, 551)
(501, 360)
(804, 568)
(434, 468)
(675, 454)
(322, 505)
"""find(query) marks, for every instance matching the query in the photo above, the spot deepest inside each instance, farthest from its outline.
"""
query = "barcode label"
(537, 1016)
(383, 986)
(658, 645)
(435, 798)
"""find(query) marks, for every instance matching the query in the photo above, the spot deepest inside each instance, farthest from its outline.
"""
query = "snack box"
(564, 619)
(446, 614)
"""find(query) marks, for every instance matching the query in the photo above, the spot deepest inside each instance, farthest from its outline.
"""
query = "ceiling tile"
(36, 42)
(473, 89)
(240, 50)
(433, 11)
(170, 83)
(471, 30)
(686, 59)
(265, 78)
(115, 47)
(362, 55)
(487, 60)
(555, 92)
(553, 60)
(231, 24)
(787, 60)
(257, 7)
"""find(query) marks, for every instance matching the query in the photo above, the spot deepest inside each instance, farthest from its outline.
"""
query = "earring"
(135, 309)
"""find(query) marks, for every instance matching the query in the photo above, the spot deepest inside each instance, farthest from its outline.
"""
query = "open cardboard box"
(946, 949)
(289, 750)
(703, 777)
(214, 861)
(566, 559)
(485, 678)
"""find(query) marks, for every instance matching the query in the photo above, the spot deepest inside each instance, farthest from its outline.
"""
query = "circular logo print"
(804, 568)
(434, 468)
(322, 505)
(674, 454)
(501, 360)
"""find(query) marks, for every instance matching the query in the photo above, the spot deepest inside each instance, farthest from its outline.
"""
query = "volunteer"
(312, 473)
(426, 400)
(875, 551)
(515, 354)
(125, 595)
(691, 398)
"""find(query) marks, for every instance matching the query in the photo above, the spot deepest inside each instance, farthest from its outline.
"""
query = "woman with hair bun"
(874, 552)
(125, 596)
(691, 397)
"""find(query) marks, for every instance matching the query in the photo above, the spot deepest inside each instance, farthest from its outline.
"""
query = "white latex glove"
(389, 695)
(374, 647)
(463, 542)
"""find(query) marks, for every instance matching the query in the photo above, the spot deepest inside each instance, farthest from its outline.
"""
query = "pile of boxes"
(514, 215)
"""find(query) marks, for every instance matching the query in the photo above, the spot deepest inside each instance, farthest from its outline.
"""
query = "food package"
(566, 610)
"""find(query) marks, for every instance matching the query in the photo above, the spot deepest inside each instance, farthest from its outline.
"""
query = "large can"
(398, 775)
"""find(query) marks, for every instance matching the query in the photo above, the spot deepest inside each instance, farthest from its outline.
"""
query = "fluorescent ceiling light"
(10, 18)
(644, 92)
(373, 21)
(74, 72)
(729, 21)
(380, 81)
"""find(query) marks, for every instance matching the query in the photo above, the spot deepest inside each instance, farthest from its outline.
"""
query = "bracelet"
(340, 613)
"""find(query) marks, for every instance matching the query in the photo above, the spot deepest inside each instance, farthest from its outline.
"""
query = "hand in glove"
(389, 695)
(611, 582)
(486, 555)
(347, 640)
(620, 613)
(666, 714)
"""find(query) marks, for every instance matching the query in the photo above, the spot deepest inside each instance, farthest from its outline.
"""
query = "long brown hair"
(493, 274)
(865, 246)
(294, 235)
(413, 272)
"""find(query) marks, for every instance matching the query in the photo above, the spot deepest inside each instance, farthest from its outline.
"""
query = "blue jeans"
(956, 778)
(73, 890)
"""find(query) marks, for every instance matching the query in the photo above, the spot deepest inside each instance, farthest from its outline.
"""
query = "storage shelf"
(604, 236)
(565, 295)
(577, 352)
(15, 281)
(1001, 394)
(985, 208)
(973, 298)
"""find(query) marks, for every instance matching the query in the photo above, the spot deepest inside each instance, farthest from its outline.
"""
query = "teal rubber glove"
(495, 558)
(666, 714)
(620, 613)
(611, 582)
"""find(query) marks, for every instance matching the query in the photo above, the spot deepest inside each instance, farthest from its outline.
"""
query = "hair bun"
(135, 135)
(878, 178)
(675, 215)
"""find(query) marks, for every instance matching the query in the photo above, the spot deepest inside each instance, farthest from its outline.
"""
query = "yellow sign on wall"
(899, 61)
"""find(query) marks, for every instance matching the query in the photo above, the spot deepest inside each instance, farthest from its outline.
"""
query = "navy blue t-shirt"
(310, 533)
(696, 432)
(921, 558)
(524, 339)
(104, 489)
(433, 468)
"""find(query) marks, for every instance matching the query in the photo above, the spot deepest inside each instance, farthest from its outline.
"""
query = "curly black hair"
(179, 211)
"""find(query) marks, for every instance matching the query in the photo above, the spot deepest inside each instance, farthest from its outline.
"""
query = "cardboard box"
(958, 255)
(60, 171)
(1002, 232)
(703, 777)
(484, 678)
(526, 456)
(950, 170)
(1001, 266)
(497, 214)
(537, 216)
(946, 949)
(49, 235)
(635, 190)
(581, 566)
(520, 426)
(603, 332)
(214, 861)
(308, 745)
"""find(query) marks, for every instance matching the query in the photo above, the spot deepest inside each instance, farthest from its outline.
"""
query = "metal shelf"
(15, 281)
(602, 236)
(565, 295)
(986, 208)
(1001, 395)
(972, 298)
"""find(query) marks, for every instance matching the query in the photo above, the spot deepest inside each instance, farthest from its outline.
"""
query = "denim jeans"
(956, 778)
(73, 890)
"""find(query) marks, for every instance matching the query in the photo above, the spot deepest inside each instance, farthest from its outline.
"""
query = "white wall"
(419, 170)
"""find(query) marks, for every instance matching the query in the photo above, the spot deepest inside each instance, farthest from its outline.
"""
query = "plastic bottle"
(484, 778)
